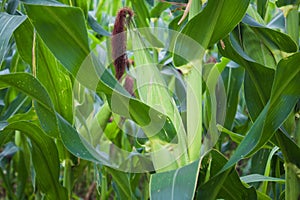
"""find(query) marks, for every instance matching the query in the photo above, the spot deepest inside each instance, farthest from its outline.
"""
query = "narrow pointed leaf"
(252, 178)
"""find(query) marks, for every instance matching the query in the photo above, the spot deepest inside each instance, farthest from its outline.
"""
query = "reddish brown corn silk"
(119, 41)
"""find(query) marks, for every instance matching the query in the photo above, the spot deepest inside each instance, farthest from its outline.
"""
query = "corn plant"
(149, 99)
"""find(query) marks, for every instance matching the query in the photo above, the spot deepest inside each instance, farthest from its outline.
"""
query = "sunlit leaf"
(65, 36)
(213, 23)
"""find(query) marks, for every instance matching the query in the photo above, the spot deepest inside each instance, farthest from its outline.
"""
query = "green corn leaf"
(122, 181)
(258, 79)
(274, 40)
(292, 181)
(284, 96)
(53, 123)
(74, 54)
(159, 8)
(233, 79)
(224, 185)
(96, 26)
(64, 32)
(27, 84)
(24, 40)
(262, 7)
(260, 178)
(54, 77)
(44, 157)
(142, 21)
(8, 24)
(280, 3)
(213, 23)
(255, 48)
(176, 184)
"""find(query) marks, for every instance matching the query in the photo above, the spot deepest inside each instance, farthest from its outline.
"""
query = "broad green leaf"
(233, 79)
(236, 137)
(275, 40)
(262, 7)
(23, 163)
(255, 48)
(159, 8)
(216, 103)
(153, 91)
(155, 123)
(254, 14)
(122, 181)
(77, 145)
(24, 40)
(121, 160)
(289, 148)
(284, 96)
(44, 2)
(213, 23)
(19, 104)
(292, 181)
(27, 84)
(44, 157)
(176, 184)
(292, 21)
(260, 178)
(278, 22)
(54, 77)
(64, 35)
(224, 185)
(173, 25)
(84, 5)
(259, 163)
(258, 79)
(96, 26)
(142, 20)
(8, 24)
(73, 53)
(280, 3)
(257, 87)
(97, 125)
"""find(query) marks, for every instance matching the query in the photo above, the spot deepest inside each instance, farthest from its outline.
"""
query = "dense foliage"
(206, 106)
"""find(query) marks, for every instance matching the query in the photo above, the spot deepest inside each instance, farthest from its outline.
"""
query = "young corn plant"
(149, 99)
